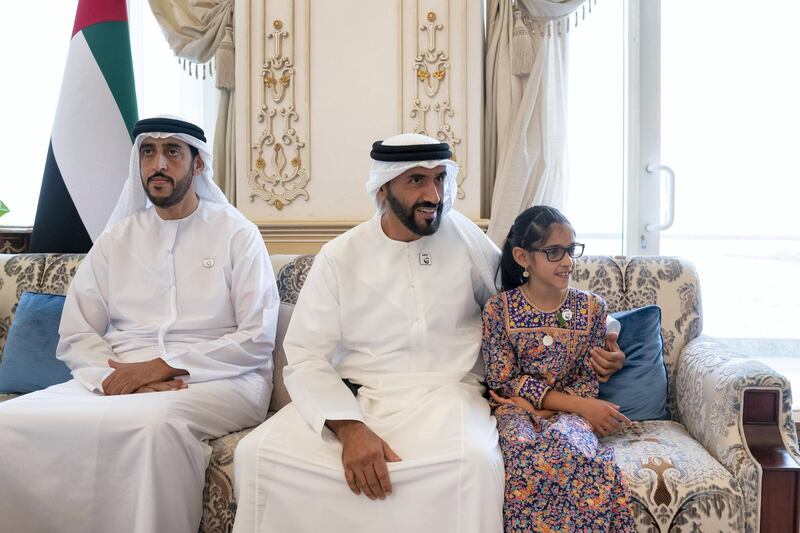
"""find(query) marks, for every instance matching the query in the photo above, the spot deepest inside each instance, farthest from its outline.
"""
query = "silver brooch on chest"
(208, 262)
(547, 340)
(567, 314)
(425, 259)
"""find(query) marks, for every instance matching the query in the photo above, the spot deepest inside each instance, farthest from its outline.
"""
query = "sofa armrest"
(740, 410)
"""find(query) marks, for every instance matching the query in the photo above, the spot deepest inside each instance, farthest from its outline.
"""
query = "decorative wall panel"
(317, 81)
(433, 88)
(279, 171)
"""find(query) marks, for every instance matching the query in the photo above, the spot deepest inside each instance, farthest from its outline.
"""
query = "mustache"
(160, 174)
(430, 205)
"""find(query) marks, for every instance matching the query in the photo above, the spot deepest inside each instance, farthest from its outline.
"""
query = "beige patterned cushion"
(675, 484)
(290, 278)
(49, 273)
(219, 504)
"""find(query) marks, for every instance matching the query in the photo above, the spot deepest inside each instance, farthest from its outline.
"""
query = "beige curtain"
(198, 30)
(526, 112)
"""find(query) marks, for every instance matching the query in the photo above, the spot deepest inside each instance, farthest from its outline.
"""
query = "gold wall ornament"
(279, 175)
(431, 80)
(430, 66)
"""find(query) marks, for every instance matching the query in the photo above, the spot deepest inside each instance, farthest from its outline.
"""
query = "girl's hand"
(522, 403)
(604, 416)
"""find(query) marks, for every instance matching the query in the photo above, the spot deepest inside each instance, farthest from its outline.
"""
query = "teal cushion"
(29, 357)
(640, 387)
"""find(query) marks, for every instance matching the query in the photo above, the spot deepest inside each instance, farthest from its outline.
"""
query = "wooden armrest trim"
(780, 481)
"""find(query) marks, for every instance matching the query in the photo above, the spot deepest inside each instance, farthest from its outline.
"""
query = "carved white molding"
(280, 174)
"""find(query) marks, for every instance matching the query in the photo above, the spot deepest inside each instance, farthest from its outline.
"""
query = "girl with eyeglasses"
(537, 334)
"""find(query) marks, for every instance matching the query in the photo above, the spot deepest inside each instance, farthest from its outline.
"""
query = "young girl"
(536, 340)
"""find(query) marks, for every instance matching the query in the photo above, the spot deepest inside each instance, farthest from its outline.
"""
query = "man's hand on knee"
(364, 457)
(127, 378)
(606, 362)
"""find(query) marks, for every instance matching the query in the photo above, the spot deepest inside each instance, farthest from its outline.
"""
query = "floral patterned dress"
(558, 476)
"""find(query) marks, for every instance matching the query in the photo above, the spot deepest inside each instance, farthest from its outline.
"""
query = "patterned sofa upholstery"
(694, 473)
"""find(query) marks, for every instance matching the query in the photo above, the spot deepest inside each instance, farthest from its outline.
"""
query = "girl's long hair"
(530, 229)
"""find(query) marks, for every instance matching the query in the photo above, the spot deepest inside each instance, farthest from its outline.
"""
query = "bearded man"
(168, 329)
(394, 307)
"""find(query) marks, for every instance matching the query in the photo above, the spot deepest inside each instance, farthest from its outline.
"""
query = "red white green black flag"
(89, 153)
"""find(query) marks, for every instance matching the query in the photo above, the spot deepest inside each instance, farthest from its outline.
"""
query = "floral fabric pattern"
(675, 483)
(290, 278)
(219, 504)
(527, 353)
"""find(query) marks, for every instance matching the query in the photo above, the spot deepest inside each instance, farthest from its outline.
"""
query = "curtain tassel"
(522, 47)
(226, 78)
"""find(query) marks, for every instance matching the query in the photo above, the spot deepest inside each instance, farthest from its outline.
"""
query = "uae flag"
(89, 154)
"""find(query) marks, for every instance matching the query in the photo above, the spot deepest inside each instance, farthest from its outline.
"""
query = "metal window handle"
(652, 168)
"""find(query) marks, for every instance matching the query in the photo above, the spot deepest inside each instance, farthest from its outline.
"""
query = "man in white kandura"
(393, 306)
(168, 329)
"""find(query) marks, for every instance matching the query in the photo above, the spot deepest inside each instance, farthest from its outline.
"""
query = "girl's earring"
(525, 273)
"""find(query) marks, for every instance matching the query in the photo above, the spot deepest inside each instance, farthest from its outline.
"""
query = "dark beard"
(406, 215)
(179, 189)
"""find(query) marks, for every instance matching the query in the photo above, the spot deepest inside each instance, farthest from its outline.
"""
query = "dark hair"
(193, 150)
(530, 229)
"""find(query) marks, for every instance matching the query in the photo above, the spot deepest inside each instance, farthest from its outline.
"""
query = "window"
(29, 94)
(28, 98)
(683, 84)
(162, 84)
(595, 130)
(729, 115)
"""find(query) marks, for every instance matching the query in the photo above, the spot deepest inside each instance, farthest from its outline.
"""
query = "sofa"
(726, 461)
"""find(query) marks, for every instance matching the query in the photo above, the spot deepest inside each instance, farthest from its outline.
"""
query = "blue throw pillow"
(29, 357)
(640, 387)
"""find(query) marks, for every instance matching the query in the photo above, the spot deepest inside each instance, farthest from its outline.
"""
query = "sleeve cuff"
(92, 377)
(341, 415)
(612, 325)
(532, 390)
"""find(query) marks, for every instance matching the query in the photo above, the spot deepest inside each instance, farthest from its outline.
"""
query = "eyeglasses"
(556, 253)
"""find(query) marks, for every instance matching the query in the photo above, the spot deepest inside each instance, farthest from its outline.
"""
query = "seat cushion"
(29, 357)
(219, 503)
(675, 483)
(640, 387)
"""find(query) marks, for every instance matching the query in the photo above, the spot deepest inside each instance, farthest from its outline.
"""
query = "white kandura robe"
(198, 292)
(373, 311)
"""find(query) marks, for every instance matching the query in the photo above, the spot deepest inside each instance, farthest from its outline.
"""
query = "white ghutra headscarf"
(384, 171)
(395, 155)
(133, 198)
